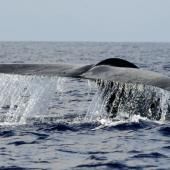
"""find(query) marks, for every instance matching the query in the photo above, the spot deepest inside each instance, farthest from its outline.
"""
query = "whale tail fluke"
(112, 69)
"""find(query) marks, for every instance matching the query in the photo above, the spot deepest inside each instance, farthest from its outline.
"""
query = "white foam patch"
(116, 121)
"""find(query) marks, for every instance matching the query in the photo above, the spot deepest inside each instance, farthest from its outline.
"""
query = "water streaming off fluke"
(24, 96)
(121, 101)
(44, 98)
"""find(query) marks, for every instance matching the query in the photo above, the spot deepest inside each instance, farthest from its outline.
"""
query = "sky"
(85, 20)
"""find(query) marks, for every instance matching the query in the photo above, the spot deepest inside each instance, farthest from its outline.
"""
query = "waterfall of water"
(119, 101)
(24, 96)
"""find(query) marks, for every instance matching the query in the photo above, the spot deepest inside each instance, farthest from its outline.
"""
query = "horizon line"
(85, 41)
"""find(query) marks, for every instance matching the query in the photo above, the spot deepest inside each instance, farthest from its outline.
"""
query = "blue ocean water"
(61, 123)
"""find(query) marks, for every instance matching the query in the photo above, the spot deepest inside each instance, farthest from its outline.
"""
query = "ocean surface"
(61, 123)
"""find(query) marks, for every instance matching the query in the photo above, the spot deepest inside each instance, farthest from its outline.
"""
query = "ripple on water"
(6, 133)
(150, 155)
(165, 130)
(18, 168)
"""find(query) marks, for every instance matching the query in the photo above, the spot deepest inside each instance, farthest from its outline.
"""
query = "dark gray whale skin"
(113, 69)
(63, 70)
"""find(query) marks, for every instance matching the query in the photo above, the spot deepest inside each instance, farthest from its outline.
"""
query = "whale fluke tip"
(117, 62)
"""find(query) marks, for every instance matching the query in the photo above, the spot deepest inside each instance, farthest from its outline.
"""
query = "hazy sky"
(85, 20)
